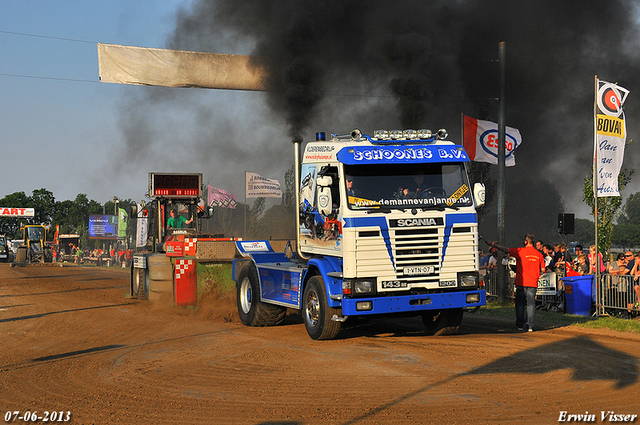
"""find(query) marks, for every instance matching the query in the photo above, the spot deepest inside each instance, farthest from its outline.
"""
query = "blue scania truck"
(387, 225)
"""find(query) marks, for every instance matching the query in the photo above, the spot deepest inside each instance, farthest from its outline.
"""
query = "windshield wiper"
(440, 207)
(379, 210)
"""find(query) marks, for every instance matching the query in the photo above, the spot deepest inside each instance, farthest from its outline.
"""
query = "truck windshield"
(401, 186)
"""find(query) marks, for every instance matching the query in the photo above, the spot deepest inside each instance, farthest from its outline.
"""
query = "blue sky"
(58, 124)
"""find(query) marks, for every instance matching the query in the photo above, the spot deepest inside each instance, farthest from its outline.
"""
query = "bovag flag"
(481, 141)
(261, 187)
(611, 133)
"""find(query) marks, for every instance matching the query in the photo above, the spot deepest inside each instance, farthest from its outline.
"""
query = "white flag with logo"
(261, 187)
(480, 141)
(142, 232)
(611, 133)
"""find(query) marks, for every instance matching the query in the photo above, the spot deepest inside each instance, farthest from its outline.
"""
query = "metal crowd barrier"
(614, 295)
(491, 284)
(617, 295)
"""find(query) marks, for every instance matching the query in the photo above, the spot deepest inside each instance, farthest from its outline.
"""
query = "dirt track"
(72, 341)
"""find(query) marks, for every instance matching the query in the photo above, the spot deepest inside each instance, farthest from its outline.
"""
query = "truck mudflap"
(412, 303)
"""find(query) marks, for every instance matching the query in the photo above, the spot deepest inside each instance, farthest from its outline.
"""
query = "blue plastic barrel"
(578, 294)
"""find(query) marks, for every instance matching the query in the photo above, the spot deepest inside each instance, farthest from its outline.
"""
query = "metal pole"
(296, 186)
(502, 286)
(599, 308)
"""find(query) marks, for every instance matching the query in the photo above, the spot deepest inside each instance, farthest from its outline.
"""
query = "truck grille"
(414, 249)
(417, 252)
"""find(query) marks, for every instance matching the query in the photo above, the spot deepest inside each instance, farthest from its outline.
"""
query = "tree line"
(73, 216)
(619, 224)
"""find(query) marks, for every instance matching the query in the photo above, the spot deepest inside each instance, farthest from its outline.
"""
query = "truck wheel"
(251, 310)
(316, 312)
(21, 255)
(141, 283)
(48, 256)
(442, 322)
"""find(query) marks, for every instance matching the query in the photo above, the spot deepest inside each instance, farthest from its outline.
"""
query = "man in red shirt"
(529, 266)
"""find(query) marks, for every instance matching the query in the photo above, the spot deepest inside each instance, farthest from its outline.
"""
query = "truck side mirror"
(479, 194)
(325, 202)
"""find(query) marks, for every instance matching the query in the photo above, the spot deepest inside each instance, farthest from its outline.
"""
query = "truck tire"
(251, 310)
(316, 312)
(48, 256)
(442, 322)
(139, 283)
(21, 255)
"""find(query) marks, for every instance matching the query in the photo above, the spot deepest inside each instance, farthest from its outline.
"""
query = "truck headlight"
(357, 287)
(363, 287)
(468, 280)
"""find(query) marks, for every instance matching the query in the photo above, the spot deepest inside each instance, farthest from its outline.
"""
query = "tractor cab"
(34, 249)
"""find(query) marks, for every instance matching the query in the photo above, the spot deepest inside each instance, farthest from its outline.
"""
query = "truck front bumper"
(412, 303)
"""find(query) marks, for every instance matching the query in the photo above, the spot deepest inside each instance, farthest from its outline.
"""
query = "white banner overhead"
(177, 68)
(17, 212)
(611, 133)
(261, 187)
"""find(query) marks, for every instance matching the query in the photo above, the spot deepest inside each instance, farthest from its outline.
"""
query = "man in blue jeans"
(529, 266)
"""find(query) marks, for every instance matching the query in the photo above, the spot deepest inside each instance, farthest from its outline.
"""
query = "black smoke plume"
(375, 64)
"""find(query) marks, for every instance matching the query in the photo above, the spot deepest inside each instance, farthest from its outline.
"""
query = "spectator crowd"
(559, 260)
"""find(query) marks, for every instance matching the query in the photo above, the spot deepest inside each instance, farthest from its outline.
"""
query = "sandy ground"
(72, 341)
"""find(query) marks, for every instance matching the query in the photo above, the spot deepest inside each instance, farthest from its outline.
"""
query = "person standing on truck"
(177, 221)
(529, 266)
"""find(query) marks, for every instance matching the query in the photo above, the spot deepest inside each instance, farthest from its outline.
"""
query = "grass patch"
(555, 319)
(215, 277)
(612, 323)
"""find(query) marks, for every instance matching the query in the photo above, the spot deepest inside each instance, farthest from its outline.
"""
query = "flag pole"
(595, 193)
(244, 233)
(502, 284)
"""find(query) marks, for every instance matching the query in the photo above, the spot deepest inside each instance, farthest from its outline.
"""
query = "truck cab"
(387, 225)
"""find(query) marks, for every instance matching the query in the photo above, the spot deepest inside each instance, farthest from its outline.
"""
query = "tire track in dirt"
(83, 346)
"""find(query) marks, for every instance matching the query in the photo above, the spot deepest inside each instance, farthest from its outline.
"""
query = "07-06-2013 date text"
(29, 416)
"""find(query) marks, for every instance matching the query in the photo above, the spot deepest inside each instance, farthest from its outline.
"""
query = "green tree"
(631, 210)
(60, 217)
(9, 225)
(289, 195)
(584, 232)
(608, 209)
(255, 216)
(278, 222)
(626, 236)
(44, 204)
